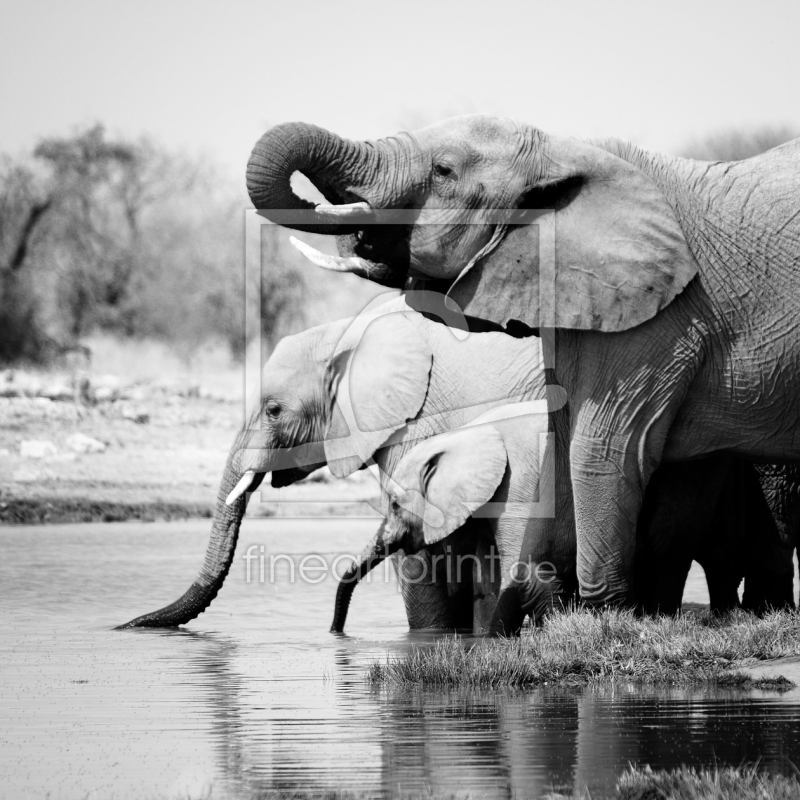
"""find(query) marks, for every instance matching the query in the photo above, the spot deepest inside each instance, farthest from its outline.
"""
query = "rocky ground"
(98, 449)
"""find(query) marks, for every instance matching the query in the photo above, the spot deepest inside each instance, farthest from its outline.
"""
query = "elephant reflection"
(339, 733)
(527, 744)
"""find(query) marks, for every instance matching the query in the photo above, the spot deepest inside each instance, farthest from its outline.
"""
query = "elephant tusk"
(241, 487)
(335, 263)
(345, 210)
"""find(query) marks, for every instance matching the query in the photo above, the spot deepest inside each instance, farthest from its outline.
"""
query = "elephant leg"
(660, 581)
(743, 541)
(674, 528)
(548, 580)
(771, 536)
(429, 598)
(625, 393)
(485, 579)
(607, 492)
(722, 552)
(507, 615)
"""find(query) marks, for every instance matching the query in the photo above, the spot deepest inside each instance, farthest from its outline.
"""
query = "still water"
(256, 694)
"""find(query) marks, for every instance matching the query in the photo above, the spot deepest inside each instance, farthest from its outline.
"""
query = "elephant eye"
(273, 408)
(443, 171)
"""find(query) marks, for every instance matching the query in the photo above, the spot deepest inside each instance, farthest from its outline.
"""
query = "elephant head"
(516, 225)
(436, 488)
(332, 394)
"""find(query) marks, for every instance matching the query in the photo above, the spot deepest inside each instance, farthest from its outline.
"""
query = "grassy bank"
(743, 783)
(685, 783)
(583, 647)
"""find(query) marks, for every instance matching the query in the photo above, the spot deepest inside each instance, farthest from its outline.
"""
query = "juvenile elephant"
(672, 286)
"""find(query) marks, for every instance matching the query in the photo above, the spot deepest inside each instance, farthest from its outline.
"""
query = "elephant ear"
(599, 247)
(379, 382)
(457, 472)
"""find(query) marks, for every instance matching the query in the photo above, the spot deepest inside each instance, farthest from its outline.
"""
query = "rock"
(57, 391)
(80, 443)
(134, 414)
(33, 448)
(105, 394)
(136, 394)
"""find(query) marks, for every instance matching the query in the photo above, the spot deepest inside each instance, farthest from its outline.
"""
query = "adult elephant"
(355, 390)
(673, 286)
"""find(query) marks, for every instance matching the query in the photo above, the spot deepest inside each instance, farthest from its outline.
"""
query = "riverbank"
(582, 647)
(98, 449)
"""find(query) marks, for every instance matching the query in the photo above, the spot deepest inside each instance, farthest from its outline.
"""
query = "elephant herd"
(591, 377)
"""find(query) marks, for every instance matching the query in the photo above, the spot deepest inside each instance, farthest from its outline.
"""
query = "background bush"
(128, 238)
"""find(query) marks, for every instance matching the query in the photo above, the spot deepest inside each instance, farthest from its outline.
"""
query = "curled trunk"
(217, 563)
(359, 179)
(334, 165)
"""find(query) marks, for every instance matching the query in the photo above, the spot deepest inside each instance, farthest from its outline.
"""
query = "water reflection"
(256, 695)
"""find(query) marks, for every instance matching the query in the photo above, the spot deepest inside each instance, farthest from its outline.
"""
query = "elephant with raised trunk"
(672, 286)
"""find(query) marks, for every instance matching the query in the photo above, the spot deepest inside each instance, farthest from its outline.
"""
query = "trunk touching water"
(218, 559)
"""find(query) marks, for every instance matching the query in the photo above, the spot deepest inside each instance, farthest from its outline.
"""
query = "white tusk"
(345, 210)
(335, 263)
(241, 487)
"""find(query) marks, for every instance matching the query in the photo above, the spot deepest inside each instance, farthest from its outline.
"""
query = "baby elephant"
(497, 473)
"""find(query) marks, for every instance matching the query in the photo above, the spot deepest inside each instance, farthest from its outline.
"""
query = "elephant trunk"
(373, 554)
(218, 559)
(336, 166)
(359, 178)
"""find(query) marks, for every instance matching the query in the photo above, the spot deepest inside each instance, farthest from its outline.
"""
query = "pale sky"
(212, 76)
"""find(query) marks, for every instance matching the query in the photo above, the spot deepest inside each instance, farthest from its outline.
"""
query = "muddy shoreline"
(56, 510)
(151, 452)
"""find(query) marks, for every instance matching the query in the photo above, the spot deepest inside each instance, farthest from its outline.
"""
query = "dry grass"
(726, 783)
(584, 647)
